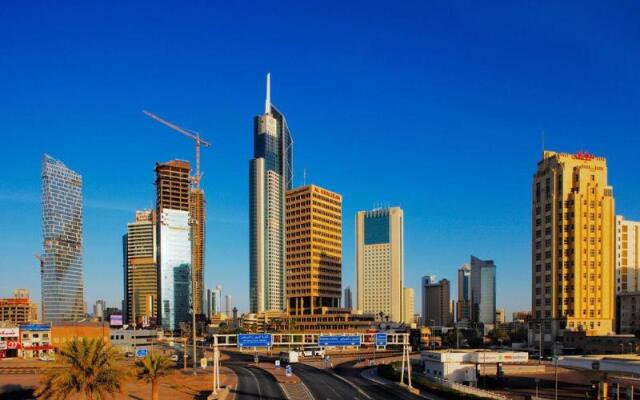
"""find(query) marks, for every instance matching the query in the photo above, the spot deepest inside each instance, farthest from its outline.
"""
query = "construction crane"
(189, 133)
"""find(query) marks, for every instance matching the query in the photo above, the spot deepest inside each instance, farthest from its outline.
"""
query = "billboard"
(115, 320)
(35, 327)
(9, 332)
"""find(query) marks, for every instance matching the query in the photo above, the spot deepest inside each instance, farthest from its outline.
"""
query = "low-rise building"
(35, 341)
(18, 309)
(578, 342)
(126, 340)
(460, 366)
(63, 333)
(628, 312)
(9, 342)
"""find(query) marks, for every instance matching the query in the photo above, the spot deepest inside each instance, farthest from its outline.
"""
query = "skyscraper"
(314, 249)
(270, 177)
(348, 298)
(572, 234)
(463, 307)
(483, 291)
(141, 269)
(380, 262)
(198, 217)
(174, 243)
(61, 265)
(436, 304)
(98, 309)
(228, 305)
(216, 296)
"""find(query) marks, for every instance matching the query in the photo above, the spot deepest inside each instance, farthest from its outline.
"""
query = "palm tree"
(86, 367)
(151, 369)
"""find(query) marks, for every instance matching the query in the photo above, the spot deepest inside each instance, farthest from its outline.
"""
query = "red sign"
(13, 345)
(3, 353)
(583, 155)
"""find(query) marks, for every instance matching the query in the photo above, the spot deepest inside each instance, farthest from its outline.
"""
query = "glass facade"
(62, 279)
(376, 227)
(270, 177)
(483, 290)
(175, 268)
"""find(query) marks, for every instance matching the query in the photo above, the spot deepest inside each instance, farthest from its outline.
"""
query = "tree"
(86, 367)
(498, 336)
(151, 368)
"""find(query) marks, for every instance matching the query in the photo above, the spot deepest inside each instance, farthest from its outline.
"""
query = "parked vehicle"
(313, 351)
(174, 357)
(289, 357)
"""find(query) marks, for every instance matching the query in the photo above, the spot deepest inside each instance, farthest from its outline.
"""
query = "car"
(174, 357)
(313, 351)
(128, 354)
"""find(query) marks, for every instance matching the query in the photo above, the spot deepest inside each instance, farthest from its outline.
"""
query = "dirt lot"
(181, 385)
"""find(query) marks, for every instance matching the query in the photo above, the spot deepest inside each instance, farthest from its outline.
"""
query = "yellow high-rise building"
(313, 250)
(573, 246)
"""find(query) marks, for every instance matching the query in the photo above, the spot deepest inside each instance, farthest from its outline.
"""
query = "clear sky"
(437, 107)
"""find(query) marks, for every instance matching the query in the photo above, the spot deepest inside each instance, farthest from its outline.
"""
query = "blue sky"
(437, 107)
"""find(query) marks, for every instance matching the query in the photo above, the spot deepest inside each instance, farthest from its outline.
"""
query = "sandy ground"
(180, 385)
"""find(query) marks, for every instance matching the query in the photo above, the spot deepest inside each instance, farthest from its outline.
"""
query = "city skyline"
(506, 120)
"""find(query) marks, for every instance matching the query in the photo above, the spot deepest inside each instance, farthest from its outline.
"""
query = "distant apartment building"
(98, 309)
(314, 250)
(409, 306)
(483, 291)
(436, 304)
(463, 306)
(174, 243)
(380, 262)
(627, 255)
(61, 262)
(141, 270)
(501, 316)
(270, 176)
(627, 274)
(18, 309)
(348, 298)
(573, 249)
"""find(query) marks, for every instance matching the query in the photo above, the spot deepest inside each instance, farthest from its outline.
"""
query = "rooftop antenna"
(267, 102)
(542, 139)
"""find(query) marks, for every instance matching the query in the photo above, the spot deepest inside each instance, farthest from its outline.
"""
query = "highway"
(253, 382)
(325, 386)
(372, 389)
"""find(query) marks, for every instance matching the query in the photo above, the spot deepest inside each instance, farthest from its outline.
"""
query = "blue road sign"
(381, 339)
(345, 340)
(141, 352)
(255, 340)
(288, 370)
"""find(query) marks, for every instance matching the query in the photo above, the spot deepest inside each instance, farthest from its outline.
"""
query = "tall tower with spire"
(270, 175)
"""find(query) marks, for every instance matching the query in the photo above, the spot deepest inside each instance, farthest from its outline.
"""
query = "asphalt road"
(325, 386)
(372, 389)
(253, 382)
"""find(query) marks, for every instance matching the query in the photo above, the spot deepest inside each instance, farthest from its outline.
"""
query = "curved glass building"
(61, 275)
(270, 177)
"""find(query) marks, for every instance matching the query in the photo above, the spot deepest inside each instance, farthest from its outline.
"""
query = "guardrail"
(469, 389)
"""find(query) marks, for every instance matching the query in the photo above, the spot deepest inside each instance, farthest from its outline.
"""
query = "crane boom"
(193, 135)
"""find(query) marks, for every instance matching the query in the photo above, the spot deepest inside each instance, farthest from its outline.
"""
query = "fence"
(469, 389)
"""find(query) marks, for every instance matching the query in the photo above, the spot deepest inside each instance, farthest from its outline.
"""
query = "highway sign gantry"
(338, 340)
(255, 340)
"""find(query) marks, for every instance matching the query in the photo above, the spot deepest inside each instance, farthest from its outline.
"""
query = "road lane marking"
(257, 383)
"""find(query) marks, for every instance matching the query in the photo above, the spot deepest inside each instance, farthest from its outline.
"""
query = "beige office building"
(573, 234)
(627, 255)
(141, 269)
(409, 306)
(380, 262)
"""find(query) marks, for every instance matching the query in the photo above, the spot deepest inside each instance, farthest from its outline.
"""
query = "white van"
(313, 351)
(289, 357)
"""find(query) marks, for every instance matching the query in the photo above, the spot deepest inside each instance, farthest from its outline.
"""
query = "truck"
(289, 357)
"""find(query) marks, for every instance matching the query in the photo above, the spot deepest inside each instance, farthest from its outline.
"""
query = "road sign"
(288, 370)
(277, 363)
(381, 339)
(342, 340)
(141, 353)
(255, 340)
(203, 362)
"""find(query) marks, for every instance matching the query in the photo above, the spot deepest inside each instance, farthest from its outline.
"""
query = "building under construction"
(197, 209)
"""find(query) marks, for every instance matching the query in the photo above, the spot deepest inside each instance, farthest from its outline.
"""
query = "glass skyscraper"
(483, 290)
(61, 275)
(271, 176)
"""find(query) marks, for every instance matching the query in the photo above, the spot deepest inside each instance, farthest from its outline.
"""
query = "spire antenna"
(267, 102)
